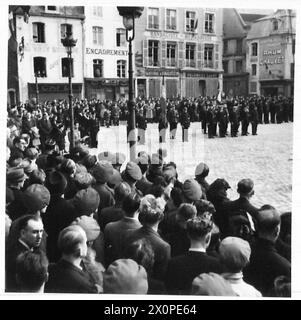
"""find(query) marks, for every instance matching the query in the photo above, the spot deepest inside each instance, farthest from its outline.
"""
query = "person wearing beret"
(201, 172)
(102, 172)
(15, 178)
(184, 268)
(131, 175)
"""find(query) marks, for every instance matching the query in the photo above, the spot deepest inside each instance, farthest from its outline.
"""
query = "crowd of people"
(218, 117)
(80, 223)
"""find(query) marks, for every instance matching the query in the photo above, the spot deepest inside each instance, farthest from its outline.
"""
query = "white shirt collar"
(197, 250)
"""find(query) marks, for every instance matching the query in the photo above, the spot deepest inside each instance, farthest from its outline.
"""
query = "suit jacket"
(183, 269)
(160, 247)
(64, 277)
(265, 265)
(115, 234)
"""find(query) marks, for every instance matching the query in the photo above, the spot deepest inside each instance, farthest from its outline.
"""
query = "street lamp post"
(37, 74)
(129, 14)
(68, 42)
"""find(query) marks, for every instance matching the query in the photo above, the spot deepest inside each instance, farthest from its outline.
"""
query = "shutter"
(216, 56)
(163, 53)
(199, 56)
(145, 53)
(181, 54)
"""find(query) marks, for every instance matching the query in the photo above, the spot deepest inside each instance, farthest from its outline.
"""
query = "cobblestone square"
(265, 158)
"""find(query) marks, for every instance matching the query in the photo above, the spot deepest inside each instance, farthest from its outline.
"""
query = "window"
(153, 18)
(51, 8)
(225, 46)
(121, 67)
(39, 67)
(254, 69)
(120, 38)
(97, 11)
(153, 53)
(190, 55)
(65, 29)
(208, 56)
(225, 66)
(97, 35)
(191, 24)
(171, 55)
(254, 49)
(97, 68)
(275, 25)
(253, 86)
(209, 22)
(65, 67)
(38, 31)
(239, 46)
(238, 66)
(171, 19)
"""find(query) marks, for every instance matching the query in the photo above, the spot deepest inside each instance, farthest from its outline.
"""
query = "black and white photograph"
(151, 150)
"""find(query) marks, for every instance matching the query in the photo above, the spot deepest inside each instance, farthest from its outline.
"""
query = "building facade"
(43, 66)
(271, 54)
(105, 54)
(180, 48)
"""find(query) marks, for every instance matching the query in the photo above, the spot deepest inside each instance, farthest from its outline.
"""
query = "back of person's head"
(286, 227)
(199, 227)
(125, 276)
(142, 252)
(204, 207)
(37, 176)
(122, 190)
(31, 270)
(68, 167)
(130, 204)
(70, 240)
(185, 212)
(268, 221)
(56, 182)
(282, 287)
(234, 253)
(151, 210)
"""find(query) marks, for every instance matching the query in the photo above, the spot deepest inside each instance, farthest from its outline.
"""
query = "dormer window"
(275, 25)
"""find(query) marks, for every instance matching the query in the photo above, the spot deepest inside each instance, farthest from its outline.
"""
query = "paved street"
(265, 158)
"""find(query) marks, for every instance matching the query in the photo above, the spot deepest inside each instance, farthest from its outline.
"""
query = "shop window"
(209, 22)
(97, 35)
(153, 53)
(153, 18)
(66, 68)
(121, 68)
(190, 22)
(97, 68)
(39, 67)
(120, 37)
(190, 55)
(171, 19)
(254, 49)
(38, 30)
(208, 56)
(66, 29)
(171, 55)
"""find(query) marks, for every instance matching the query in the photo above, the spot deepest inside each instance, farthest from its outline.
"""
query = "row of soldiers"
(52, 118)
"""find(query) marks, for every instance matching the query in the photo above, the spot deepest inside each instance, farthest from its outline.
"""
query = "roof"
(251, 17)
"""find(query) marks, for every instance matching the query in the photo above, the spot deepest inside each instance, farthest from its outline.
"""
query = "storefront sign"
(108, 82)
(201, 75)
(161, 72)
(55, 87)
(109, 52)
(179, 36)
(272, 56)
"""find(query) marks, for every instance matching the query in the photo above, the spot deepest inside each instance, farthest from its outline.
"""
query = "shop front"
(198, 83)
(54, 91)
(106, 88)
(283, 87)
